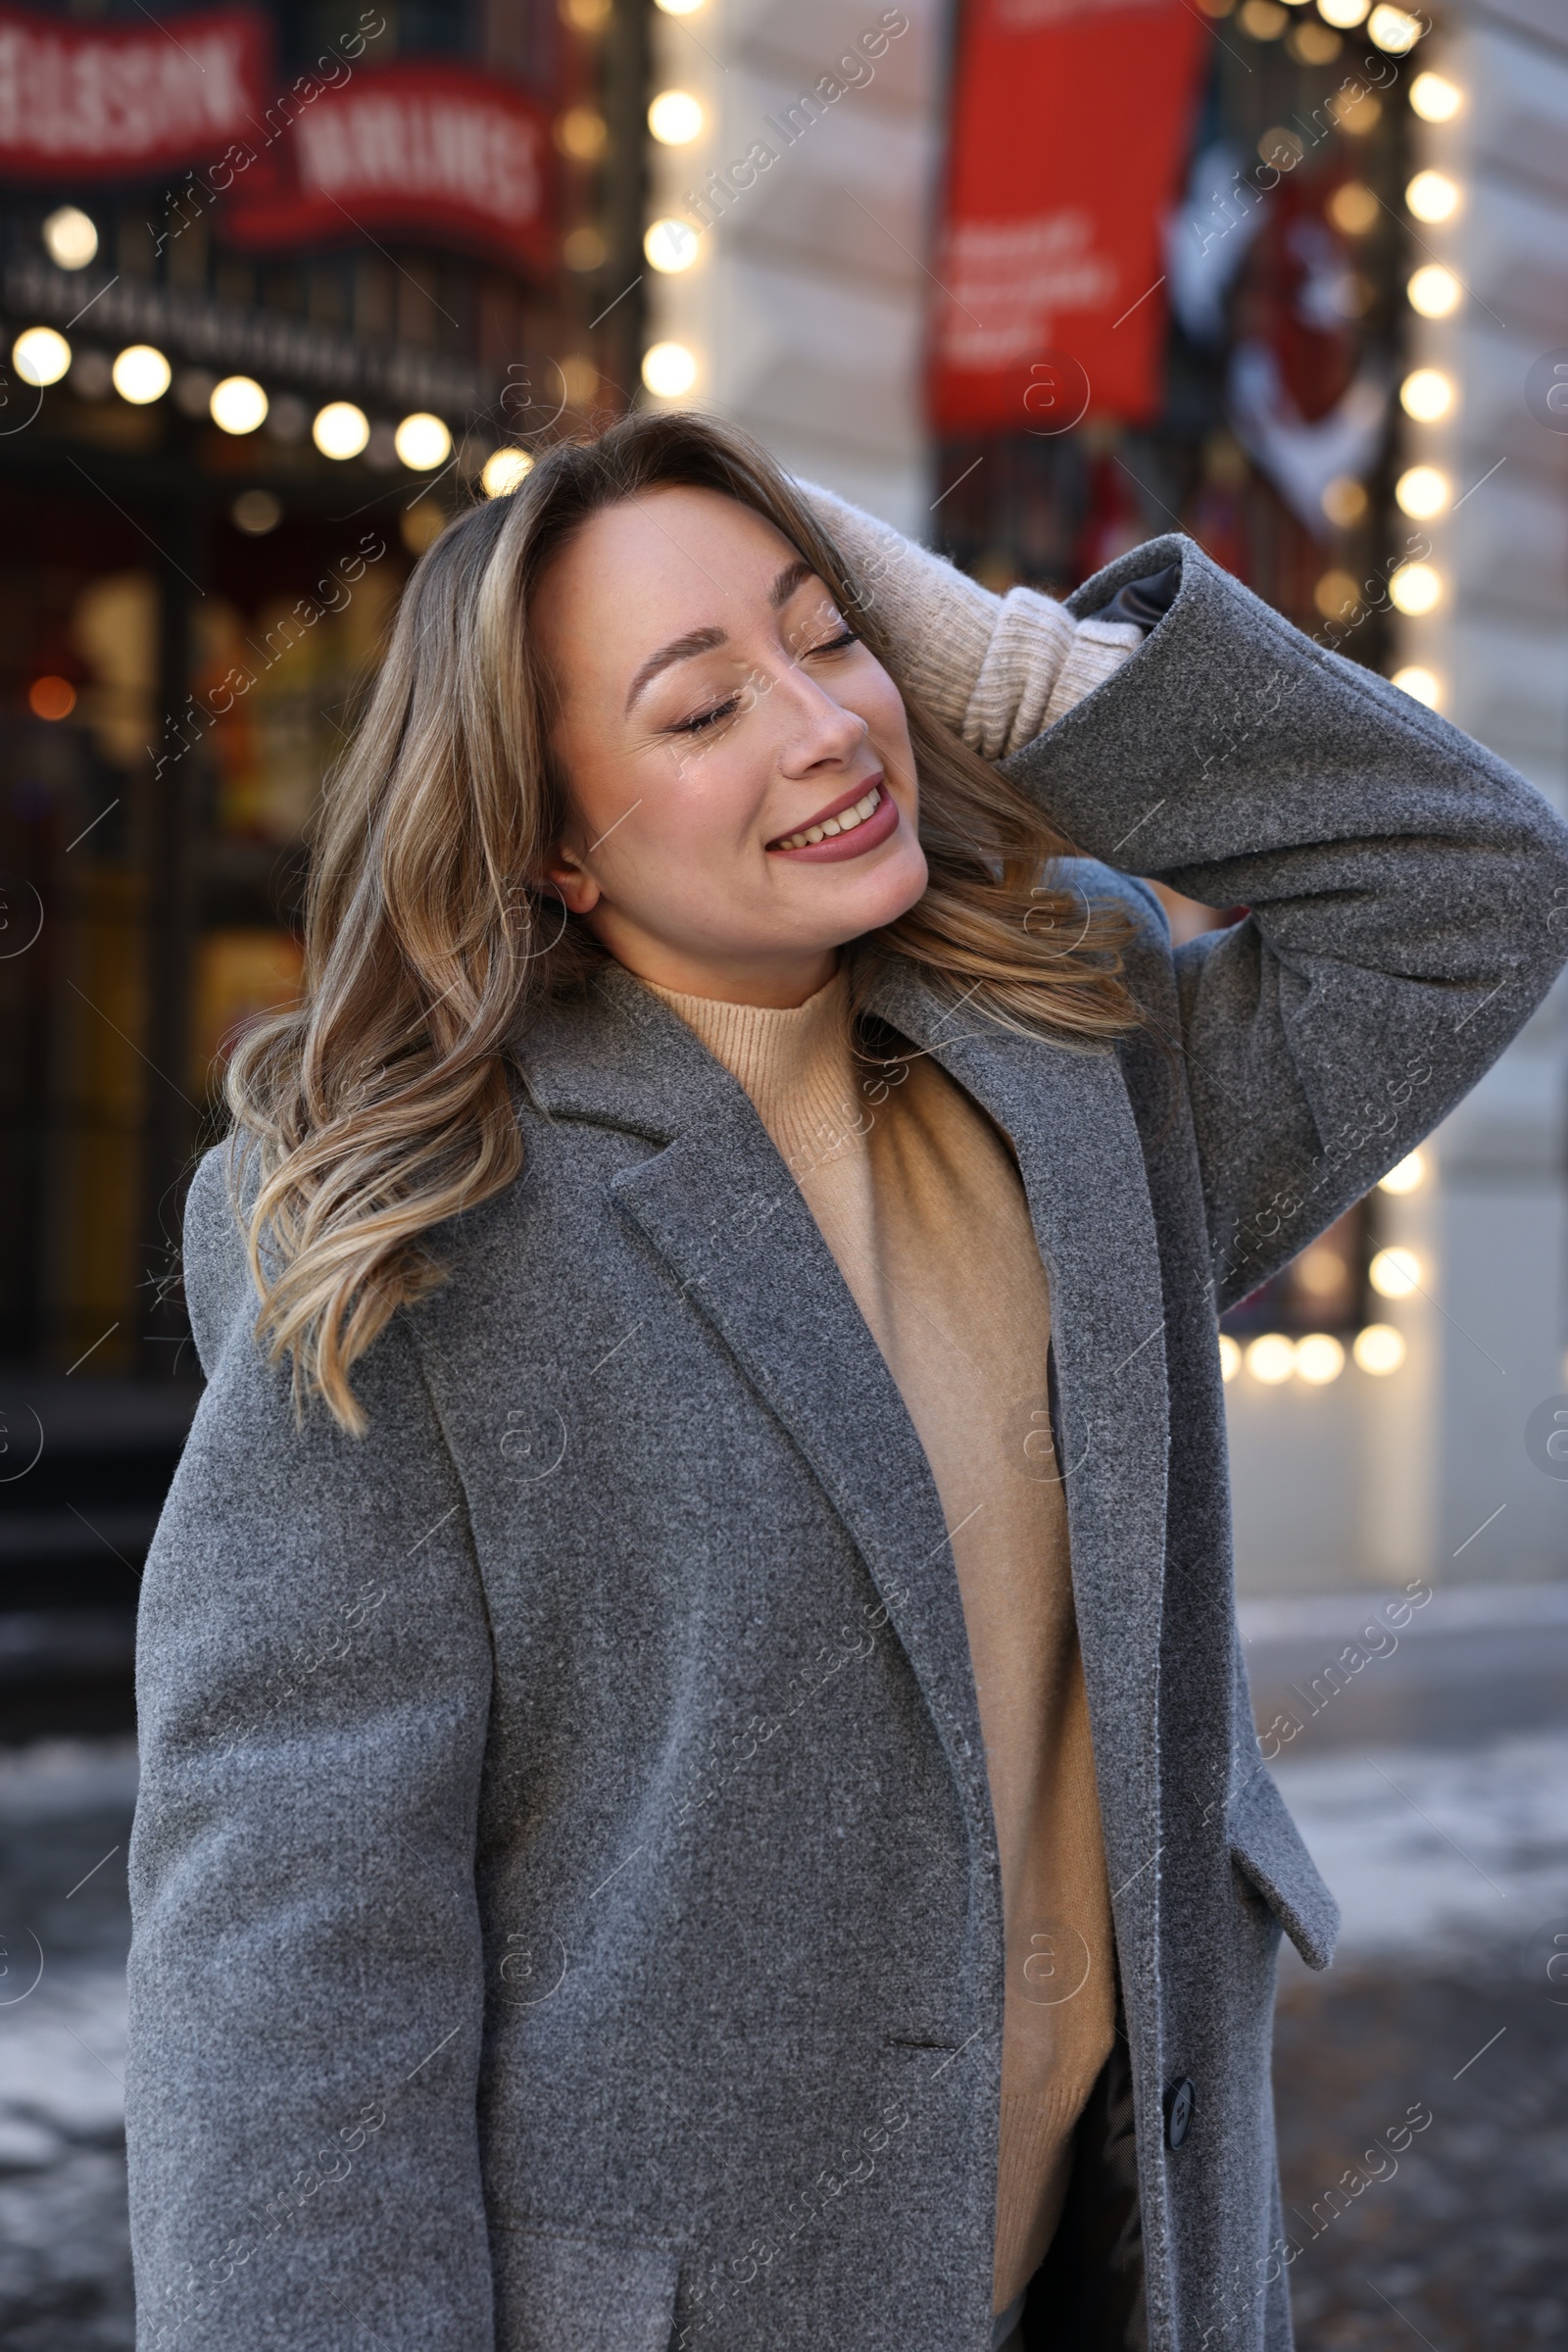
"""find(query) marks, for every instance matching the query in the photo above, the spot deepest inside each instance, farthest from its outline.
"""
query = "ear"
(576, 885)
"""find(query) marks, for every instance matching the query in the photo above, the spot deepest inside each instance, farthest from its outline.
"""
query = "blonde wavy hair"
(383, 1104)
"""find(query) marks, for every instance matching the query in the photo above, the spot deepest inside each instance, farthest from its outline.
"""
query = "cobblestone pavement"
(1453, 1868)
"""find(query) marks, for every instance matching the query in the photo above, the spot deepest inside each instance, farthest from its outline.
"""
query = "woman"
(699, 1780)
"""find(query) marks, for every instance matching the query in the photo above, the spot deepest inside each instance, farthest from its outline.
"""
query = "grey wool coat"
(567, 1914)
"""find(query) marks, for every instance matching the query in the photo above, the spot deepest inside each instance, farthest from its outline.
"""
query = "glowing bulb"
(1421, 685)
(51, 697)
(1342, 14)
(1229, 1357)
(141, 373)
(1395, 1273)
(256, 512)
(1405, 1176)
(670, 370)
(238, 404)
(675, 119)
(1433, 196)
(40, 356)
(672, 245)
(1353, 209)
(1435, 98)
(1416, 588)
(1427, 395)
(504, 469)
(1344, 500)
(1337, 592)
(422, 442)
(1423, 492)
(1434, 291)
(582, 133)
(1271, 1358)
(1379, 1348)
(680, 7)
(1394, 28)
(340, 429)
(69, 238)
(1319, 1358)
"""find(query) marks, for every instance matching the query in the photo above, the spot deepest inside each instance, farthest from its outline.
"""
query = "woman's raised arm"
(307, 1997)
(1409, 895)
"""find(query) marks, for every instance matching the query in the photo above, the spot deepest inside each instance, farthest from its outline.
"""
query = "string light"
(1434, 291)
(503, 471)
(1421, 685)
(670, 370)
(238, 405)
(675, 119)
(70, 237)
(1407, 1176)
(422, 442)
(141, 373)
(672, 245)
(1427, 395)
(340, 429)
(1435, 98)
(1394, 28)
(1395, 1273)
(1271, 1358)
(1422, 492)
(1379, 1348)
(1433, 197)
(1319, 1358)
(1416, 588)
(39, 356)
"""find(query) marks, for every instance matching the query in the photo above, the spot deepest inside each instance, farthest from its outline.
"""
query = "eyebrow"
(707, 641)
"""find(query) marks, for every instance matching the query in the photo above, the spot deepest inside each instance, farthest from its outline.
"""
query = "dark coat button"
(1178, 2112)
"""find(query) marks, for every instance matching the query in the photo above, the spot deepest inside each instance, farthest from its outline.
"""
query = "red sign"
(116, 102)
(1069, 135)
(442, 153)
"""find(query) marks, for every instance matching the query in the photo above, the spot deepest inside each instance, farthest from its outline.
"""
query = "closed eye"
(704, 720)
(832, 645)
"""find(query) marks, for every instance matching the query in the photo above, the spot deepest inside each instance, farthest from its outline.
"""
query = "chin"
(881, 897)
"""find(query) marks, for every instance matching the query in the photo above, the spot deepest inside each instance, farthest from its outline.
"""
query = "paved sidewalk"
(64, 2257)
(1449, 1997)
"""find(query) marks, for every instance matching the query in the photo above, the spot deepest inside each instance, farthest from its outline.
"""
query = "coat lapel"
(721, 1208)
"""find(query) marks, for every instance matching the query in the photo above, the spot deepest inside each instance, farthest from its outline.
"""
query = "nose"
(818, 729)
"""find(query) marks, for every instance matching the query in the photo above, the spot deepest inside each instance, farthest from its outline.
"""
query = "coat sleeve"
(306, 1985)
(1407, 896)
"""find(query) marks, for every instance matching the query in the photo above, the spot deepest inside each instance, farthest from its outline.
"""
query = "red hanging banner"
(439, 152)
(1070, 127)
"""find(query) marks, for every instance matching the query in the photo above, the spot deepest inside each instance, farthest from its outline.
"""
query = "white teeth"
(845, 822)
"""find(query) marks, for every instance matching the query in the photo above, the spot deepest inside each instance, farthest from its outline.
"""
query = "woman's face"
(743, 791)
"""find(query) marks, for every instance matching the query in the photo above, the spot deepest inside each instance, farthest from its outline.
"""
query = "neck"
(777, 983)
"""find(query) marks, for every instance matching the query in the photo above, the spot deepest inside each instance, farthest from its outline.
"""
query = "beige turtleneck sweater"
(918, 1198)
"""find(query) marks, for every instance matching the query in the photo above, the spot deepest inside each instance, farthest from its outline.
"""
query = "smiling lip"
(864, 833)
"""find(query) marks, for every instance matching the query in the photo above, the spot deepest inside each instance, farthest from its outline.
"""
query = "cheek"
(879, 703)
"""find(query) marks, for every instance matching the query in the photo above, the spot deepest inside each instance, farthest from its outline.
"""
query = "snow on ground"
(1438, 1852)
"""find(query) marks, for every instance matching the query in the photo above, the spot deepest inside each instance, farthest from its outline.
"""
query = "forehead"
(655, 567)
